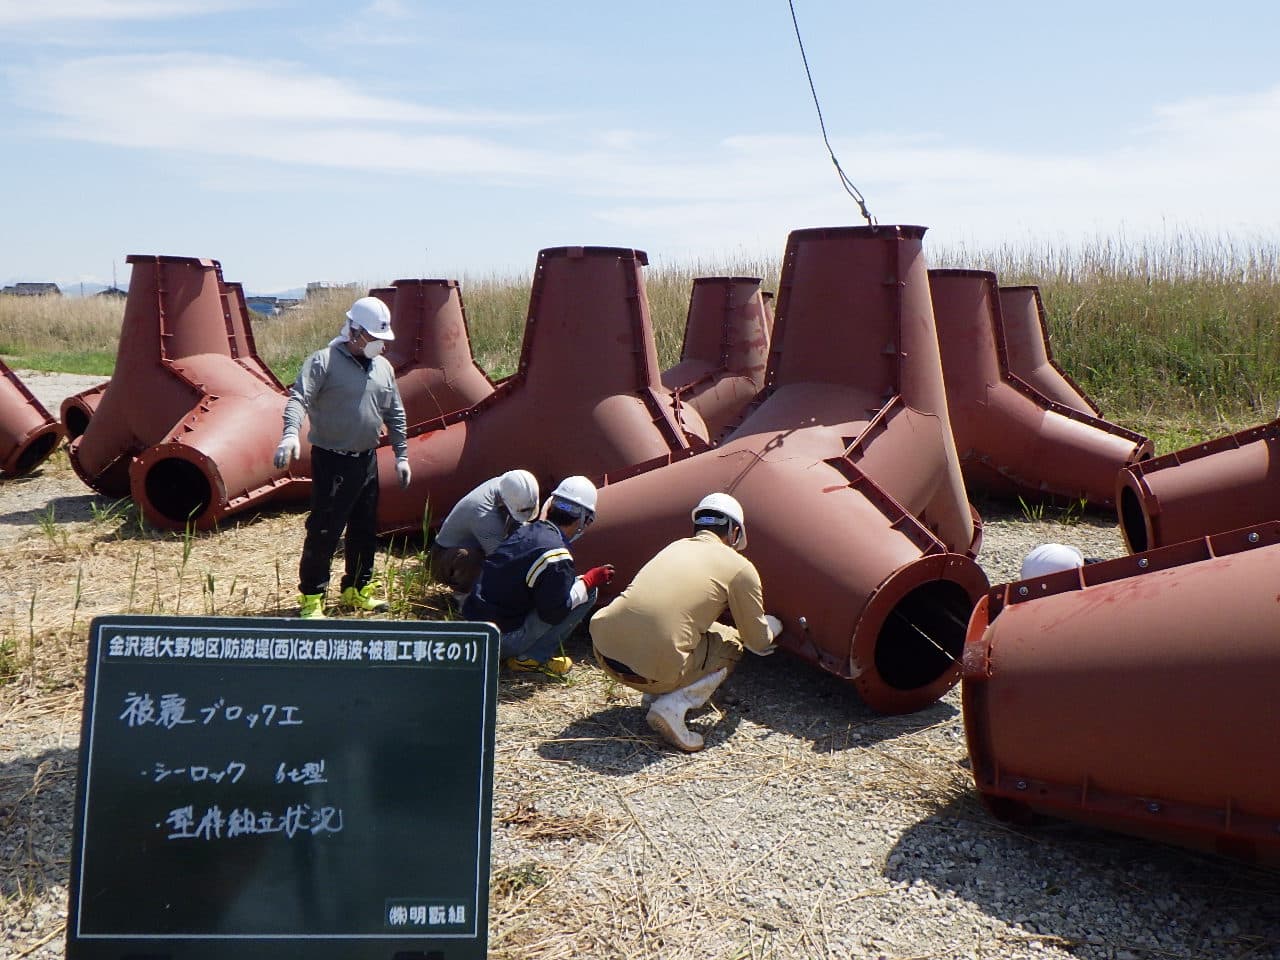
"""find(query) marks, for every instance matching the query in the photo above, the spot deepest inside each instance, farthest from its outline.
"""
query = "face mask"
(586, 522)
(373, 348)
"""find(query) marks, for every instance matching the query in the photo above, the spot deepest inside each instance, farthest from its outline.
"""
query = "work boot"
(364, 599)
(311, 606)
(552, 666)
(666, 718)
(700, 691)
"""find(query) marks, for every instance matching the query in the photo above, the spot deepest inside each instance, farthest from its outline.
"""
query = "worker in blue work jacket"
(530, 589)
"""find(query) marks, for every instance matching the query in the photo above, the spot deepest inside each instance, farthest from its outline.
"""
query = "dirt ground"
(810, 827)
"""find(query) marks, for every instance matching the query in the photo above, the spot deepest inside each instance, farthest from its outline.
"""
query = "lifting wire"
(845, 182)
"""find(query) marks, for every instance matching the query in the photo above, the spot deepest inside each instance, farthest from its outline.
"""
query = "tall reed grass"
(1179, 326)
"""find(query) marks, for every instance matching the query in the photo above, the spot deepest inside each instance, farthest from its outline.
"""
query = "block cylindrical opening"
(1133, 520)
(36, 451)
(177, 489)
(923, 636)
(76, 421)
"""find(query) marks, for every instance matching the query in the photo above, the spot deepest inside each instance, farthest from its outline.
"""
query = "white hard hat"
(519, 491)
(1050, 558)
(722, 504)
(577, 490)
(372, 315)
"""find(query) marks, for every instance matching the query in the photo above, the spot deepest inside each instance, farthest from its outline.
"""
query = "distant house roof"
(112, 292)
(316, 286)
(33, 290)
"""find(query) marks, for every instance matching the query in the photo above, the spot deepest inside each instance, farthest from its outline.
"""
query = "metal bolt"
(804, 623)
(1253, 537)
(1144, 563)
(1153, 807)
(1021, 784)
(1023, 591)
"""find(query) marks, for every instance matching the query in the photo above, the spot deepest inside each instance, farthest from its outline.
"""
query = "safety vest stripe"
(551, 556)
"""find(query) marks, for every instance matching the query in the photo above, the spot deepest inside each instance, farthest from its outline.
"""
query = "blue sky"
(299, 141)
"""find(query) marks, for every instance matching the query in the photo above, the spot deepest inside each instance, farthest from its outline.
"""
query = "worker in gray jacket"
(477, 524)
(348, 390)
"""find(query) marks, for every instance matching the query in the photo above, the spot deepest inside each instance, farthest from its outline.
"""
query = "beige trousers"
(719, 649)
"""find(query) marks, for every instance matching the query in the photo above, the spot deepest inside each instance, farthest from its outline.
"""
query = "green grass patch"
(95, 363)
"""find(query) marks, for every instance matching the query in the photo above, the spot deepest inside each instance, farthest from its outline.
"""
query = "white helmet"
(1050, 558)
(518, 490)
(577, 490)
(372, 316)
(716, 505)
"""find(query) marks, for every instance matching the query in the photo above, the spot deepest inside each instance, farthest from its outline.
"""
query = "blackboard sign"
(255, 788)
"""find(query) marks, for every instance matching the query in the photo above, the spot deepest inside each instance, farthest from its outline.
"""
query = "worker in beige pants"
(660, 635)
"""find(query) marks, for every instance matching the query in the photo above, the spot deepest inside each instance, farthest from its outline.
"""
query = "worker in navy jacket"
(530, 589)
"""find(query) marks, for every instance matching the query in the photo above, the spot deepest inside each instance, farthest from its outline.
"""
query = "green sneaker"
(311, 606)
(364, 599)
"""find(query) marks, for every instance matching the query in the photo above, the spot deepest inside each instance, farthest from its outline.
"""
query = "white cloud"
(25, 12)
(1204, 160)
(390, 9)
(134, 100)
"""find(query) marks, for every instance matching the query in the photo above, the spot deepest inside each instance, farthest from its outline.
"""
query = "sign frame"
(202, 708)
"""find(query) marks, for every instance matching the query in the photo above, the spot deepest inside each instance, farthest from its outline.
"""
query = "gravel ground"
(810, 827)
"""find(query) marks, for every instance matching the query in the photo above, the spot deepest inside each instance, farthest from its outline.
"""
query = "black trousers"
(344, 494)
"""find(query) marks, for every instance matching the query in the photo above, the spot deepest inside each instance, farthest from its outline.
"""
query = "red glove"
(598, 576)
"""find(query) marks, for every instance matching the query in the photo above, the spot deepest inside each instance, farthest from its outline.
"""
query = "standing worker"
(478, 523)
(530, 589)
(659, 636)
(349, 392)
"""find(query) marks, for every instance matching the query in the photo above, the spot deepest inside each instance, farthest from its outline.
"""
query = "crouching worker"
(477, 524)
(528, 586)
(659, 636)
(348, 389)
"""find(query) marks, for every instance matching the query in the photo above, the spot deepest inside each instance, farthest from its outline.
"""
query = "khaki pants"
(720, 649)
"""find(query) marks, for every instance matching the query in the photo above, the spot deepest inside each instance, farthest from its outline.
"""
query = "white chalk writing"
(213, 823)
(140, 710)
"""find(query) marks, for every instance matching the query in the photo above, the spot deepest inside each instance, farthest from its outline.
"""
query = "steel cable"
(845, 182)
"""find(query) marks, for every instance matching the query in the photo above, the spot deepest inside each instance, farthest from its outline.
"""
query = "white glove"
(288, 451)
(775, 625)
(403, 473)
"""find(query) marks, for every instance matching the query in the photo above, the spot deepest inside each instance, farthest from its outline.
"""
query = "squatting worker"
(477, 524)
(528, 586)
(348, 390)
(660, 635)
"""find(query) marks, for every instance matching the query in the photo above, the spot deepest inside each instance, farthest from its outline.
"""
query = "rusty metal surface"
(586, 397)
(142, 402)
(216, 460)
(78, 409)
(431, 353)
(1013, 441)
(1222, 484)
(1026, 338)
(1138, 694)
(725, 351)
(28, 434)
(187, 375)
(854, 504)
